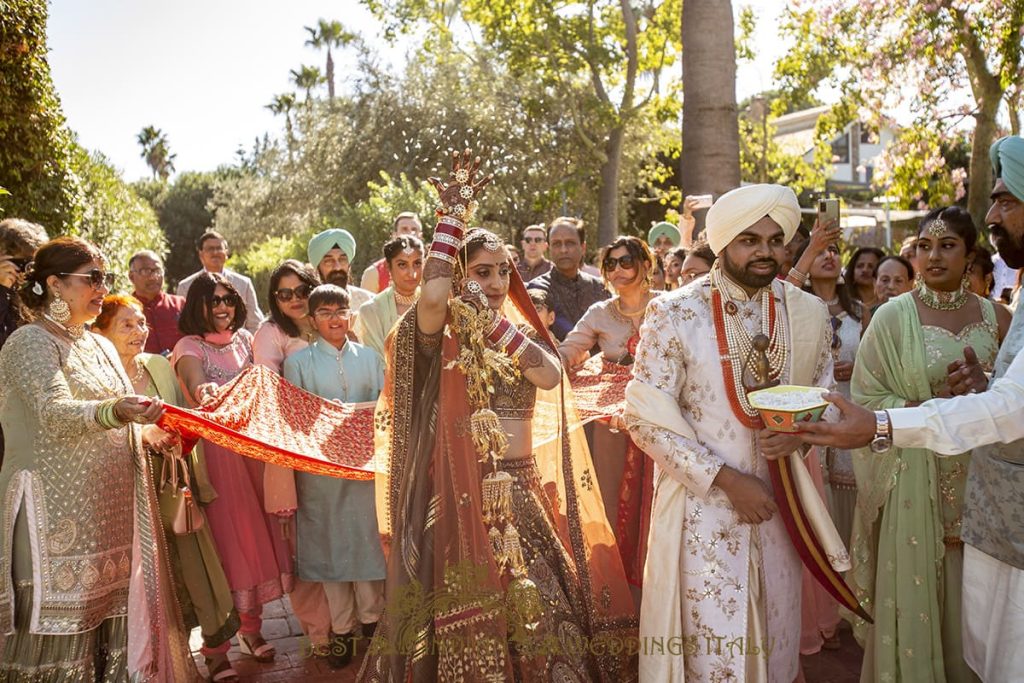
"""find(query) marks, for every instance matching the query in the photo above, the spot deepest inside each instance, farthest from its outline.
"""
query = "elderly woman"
(76, 489)
(203, 593)
(613, 326)
(404, 258)
(254, 554)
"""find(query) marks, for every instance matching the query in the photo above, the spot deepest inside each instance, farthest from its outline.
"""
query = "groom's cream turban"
(738, 209)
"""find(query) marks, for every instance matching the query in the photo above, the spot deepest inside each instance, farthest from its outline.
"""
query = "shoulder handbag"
(178, 509)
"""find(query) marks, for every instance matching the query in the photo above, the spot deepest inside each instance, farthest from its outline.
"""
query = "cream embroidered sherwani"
(710, 564)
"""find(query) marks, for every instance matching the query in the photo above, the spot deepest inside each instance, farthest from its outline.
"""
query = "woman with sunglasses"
(907, 551)
(255, 556)
(404, 258)
(76, 488)
(613, 326)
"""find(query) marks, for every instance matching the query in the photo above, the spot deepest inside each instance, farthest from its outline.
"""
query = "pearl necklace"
(735, 344)
(140, 370)
(942, 301)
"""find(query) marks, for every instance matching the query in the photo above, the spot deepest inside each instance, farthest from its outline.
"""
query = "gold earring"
(59, 311)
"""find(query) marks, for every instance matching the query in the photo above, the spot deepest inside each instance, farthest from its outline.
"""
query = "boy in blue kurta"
(338, 543)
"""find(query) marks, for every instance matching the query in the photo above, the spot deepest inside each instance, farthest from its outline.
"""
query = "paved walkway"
(293, 666)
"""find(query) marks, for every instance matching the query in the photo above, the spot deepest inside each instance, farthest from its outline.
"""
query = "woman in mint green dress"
(906, 547)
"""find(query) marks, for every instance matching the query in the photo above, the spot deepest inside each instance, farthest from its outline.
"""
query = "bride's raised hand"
(458, 197)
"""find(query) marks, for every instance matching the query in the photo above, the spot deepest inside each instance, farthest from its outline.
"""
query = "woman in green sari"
(906, 547)
(202, 589)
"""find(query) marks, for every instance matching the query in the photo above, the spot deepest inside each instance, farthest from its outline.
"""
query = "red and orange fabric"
(262, 416)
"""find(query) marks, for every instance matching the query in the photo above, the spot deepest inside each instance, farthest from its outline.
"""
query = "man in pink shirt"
(146, 272)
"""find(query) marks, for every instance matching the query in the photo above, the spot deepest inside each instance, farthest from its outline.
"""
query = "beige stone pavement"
(292, 665)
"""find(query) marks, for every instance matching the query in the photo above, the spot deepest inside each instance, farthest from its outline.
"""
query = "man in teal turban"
(1005, 220)
(331, 252)
(663, 237)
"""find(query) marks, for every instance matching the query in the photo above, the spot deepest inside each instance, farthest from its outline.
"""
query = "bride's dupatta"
(448, 616)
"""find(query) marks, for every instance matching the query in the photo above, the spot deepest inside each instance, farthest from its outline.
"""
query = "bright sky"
(203, 70)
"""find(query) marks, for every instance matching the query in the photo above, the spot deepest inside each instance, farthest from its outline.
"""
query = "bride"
(501, 563)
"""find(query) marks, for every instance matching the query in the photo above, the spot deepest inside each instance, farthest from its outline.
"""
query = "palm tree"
(710, 158)
(307, 78)
(157, 152)
(328, 34)
(283, 104)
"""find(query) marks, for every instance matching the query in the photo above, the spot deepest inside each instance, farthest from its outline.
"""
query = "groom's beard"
(744, 276)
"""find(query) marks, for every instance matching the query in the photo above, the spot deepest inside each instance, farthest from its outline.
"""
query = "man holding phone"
(19, 241)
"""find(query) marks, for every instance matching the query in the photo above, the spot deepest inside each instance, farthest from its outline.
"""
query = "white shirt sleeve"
(957, 425)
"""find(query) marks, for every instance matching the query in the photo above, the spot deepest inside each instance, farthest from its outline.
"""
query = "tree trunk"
(710, 158)
(980, 174)
(608, 195)
(330, 75)
(1014, 108)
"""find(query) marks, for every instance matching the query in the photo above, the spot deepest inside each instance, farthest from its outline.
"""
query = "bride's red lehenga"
(451, 613)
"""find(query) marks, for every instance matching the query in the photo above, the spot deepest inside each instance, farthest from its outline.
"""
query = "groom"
(726, 579)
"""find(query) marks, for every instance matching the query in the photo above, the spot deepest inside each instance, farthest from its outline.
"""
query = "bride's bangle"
(506, 337)
(447, 239)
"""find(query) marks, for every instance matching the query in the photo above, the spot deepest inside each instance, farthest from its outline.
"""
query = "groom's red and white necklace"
(735, 343)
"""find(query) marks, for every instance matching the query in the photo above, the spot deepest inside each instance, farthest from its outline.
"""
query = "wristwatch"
(883, 432)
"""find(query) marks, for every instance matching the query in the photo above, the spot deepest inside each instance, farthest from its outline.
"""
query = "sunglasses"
(534, 240)
(97, 278)
(228, 300)
(341, 314)
(627, 262)
(837, 341)
(287, 294)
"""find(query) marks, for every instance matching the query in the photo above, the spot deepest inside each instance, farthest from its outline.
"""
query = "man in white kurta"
(719, 590)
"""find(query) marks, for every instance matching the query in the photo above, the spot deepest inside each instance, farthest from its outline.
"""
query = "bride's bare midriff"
(520, 438)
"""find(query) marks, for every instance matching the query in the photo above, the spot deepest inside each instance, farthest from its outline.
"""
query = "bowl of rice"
(784, 408)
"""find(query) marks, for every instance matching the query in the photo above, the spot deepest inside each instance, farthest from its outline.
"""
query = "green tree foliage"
(114, 216)
(328, 35)
(599, 63)
(156, 150)
(307, 78)
(184, 213)
(763, 160)
(922, 55)
(407, 124)
(36, 149)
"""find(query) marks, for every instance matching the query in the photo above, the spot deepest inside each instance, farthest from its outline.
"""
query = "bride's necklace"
(942, 301)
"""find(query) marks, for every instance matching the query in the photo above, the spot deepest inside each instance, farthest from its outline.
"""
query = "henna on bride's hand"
(531, 358)
(436, 268)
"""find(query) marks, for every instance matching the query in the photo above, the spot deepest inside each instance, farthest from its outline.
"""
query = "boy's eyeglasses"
(342, 314)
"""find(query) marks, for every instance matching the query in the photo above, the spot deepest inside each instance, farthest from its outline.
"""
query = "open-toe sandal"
(256, 647)
(221, 670)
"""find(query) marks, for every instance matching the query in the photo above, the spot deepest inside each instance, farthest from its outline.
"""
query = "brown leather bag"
(179, 510)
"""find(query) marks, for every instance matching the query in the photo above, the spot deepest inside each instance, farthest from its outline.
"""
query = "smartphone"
(828, 209)
(703, 201)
